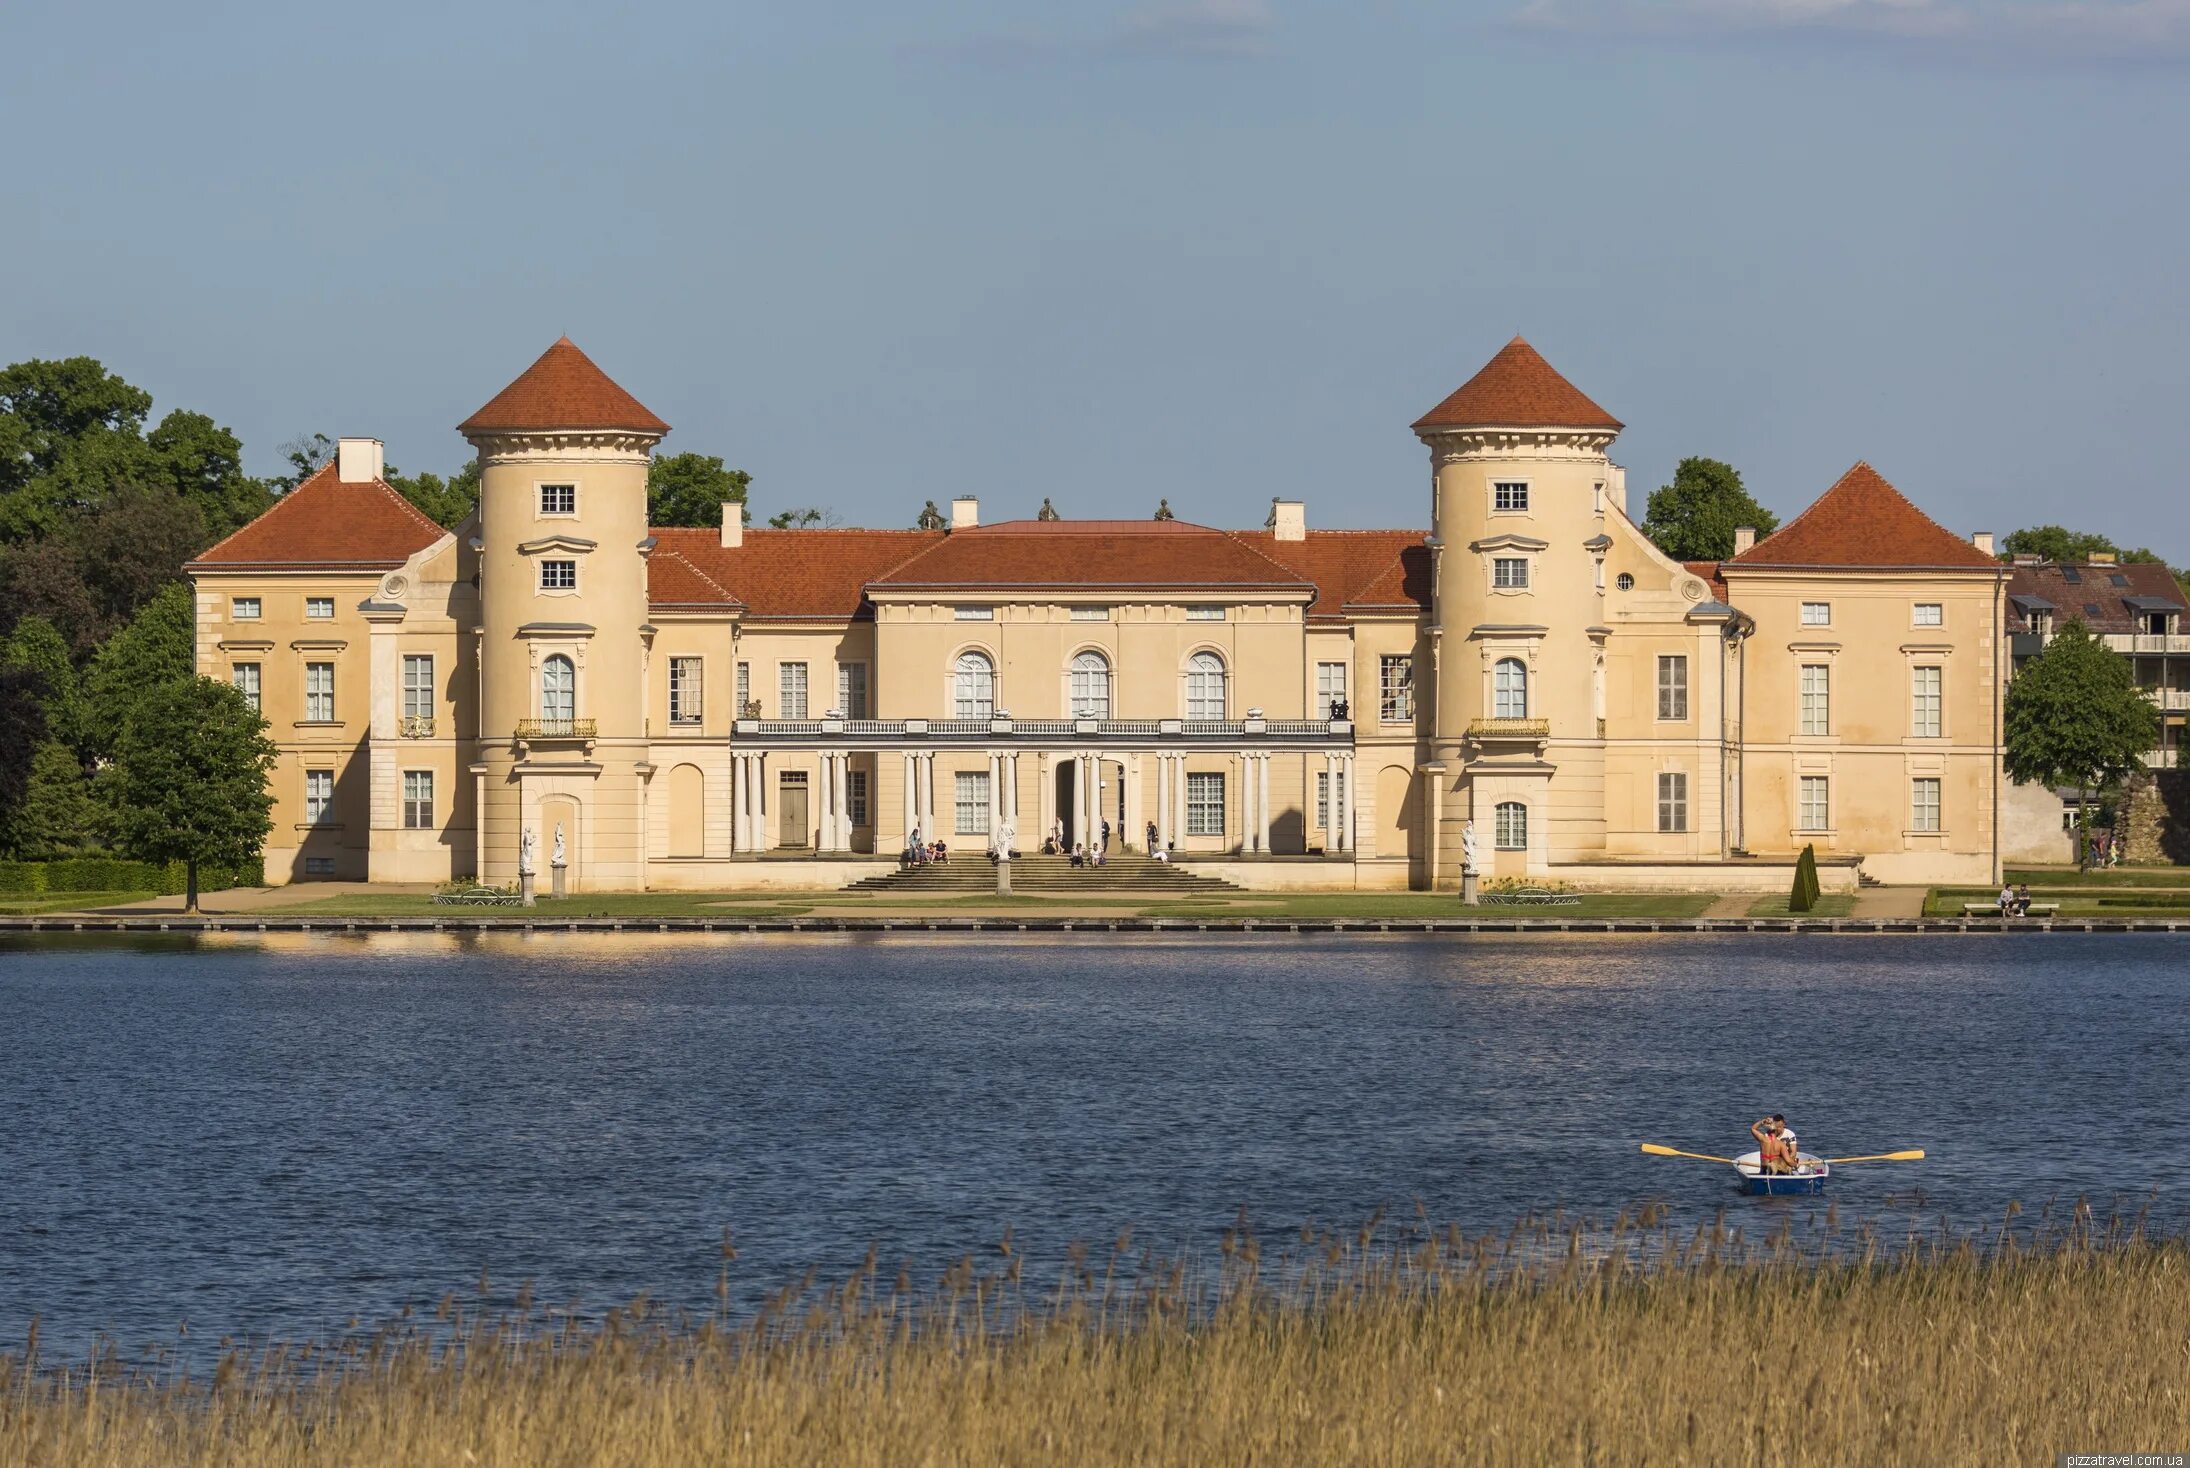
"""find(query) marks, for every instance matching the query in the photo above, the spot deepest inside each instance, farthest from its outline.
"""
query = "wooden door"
(791, 828)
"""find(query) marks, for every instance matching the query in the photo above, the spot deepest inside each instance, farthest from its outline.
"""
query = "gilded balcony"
(554, 729)
(1493, 729)
(415, 726)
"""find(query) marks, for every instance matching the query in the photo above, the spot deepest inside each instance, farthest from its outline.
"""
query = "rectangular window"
(1817, 614)
(244, 608)
(1930, 614)
(1323, 797)
(790, 690)
(973, 803)
(1330, 687)
(685, 691)
(1510, 825)
(319, 608)
(974, 614)
(1509, 497)
(1673, 801)
(1924, 805)
(1204, 803)
(855, 793)
(558, 575)
(1395, 689)
(1816, 810)
(558, 499)
(417, 686)
(1817, 699)
(246, 678)
(1509, 571)
(418, 800)
(1205, 614)
(319, 796)
(745, 692)
(1924, 700)
(319, 866)
(851, 689)
(1091, 614)
(319, 693)
(1673, 686)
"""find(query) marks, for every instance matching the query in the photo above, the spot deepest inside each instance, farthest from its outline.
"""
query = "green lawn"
(22, 904)
(1829, 905)
(1438, 905)
(591, 904)
(2078, 900)
(2037, 877)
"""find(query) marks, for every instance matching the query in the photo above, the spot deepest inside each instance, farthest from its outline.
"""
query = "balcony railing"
(1007, 729)
(1509, 729)
(554, 728)
(2169, 698)
(415, 726)
(2147, 642)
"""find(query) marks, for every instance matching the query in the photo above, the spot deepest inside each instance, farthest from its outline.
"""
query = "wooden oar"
(1657, 1151)
(1914, 1154)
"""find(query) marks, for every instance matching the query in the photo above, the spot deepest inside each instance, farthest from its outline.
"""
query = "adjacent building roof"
(324, 524)
(794, 574)
(563, 389)
(1091, 555)
(1518, 389)
(1708, 572)
(1355, 570)
(2072, 589)
(1864, 522)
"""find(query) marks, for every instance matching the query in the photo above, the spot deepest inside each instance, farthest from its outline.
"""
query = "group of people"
(919, 853)
(2014, 901)
(1777, 1149)
(2105, 849)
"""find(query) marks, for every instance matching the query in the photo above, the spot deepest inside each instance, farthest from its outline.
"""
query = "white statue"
(561, 856)
(526, 843)
(1471, 850)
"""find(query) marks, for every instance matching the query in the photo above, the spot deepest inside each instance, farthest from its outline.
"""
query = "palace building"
(733, 708)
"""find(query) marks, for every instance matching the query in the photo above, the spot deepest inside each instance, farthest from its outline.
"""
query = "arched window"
(1512, 826)
(558, 688)
(1509, 689)
(1090, 686)
(1205, 686)
(976, 686)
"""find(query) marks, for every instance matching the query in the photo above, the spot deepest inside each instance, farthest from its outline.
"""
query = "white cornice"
(1455, 445)
(614, 445)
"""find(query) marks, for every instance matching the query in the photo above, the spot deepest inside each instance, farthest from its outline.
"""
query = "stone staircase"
(975, 875)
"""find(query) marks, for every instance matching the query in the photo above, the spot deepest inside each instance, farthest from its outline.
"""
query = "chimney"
(1745, 536)
(2102, 558)
(1288, 519)
(965, 512)
(1982, 539)
(733, 524)
(359, 460)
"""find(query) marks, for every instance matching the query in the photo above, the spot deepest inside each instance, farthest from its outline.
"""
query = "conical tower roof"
(1518, 389)
(562, 390)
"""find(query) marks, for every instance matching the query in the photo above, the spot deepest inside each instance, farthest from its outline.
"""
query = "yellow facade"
(1532, 667)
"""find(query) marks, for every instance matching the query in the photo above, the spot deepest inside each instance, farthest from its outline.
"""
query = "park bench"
(1531, 897)
(477, 897)
(1992, 909)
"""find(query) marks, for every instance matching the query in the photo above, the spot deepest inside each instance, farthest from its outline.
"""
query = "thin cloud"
(2074, 30)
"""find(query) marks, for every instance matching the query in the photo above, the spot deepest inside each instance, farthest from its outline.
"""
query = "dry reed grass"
(1537, 1346)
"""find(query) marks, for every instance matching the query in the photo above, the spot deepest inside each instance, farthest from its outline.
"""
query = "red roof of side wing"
(326, 524)
(1864, 521)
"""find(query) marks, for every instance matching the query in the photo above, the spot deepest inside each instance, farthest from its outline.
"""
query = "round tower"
(1520, 484)
(562, 540)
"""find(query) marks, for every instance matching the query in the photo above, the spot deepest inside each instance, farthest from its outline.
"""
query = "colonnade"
(749, 803)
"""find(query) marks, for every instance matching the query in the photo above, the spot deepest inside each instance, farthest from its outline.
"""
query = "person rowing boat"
(1778, 1150)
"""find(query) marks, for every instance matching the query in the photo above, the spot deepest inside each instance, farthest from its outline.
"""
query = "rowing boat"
(1808, 1178)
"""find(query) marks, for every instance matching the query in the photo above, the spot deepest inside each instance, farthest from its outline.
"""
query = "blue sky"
(1209, 250)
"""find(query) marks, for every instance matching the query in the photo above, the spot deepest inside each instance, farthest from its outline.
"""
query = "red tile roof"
(1708, 573)
(1362, 570)
(328, 524)
(1092, 555)
(1518, 389)
(562, 390)
(1864, 521)
(779, 573)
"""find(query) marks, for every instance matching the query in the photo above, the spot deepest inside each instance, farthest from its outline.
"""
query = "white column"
(753, 837)
(1262, 799)
(912, 782)
(1178, 798)
(1011, 791)
(1129, 771)
(1246, 802)
(737, 803)
(1331, 840)
(1346, 822)
(996, 797)
(1045, 796)
(1087, 811)
(843, 802)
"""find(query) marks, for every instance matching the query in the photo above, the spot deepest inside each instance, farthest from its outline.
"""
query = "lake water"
(273, 1134)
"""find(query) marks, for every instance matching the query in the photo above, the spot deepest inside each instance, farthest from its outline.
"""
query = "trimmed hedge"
(113, 874)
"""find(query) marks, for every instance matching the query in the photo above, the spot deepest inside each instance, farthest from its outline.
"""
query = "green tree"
(57, 816)
(22, 726)
(1694, 517)
(1802, 897)
(2057, 543)
(447, 502)
(2075, 716)
(157, 649)
(203, 463)
(306, 454)
(190, 779)
(689, 489)
(37, 647)
(69, 432)
(811, 517)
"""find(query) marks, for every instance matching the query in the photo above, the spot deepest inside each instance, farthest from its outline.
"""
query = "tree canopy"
(447, 502)
(689, 489)
(1694, 517)
(157, 649)
(2075, 716)
(810, 517)
(190, 774)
